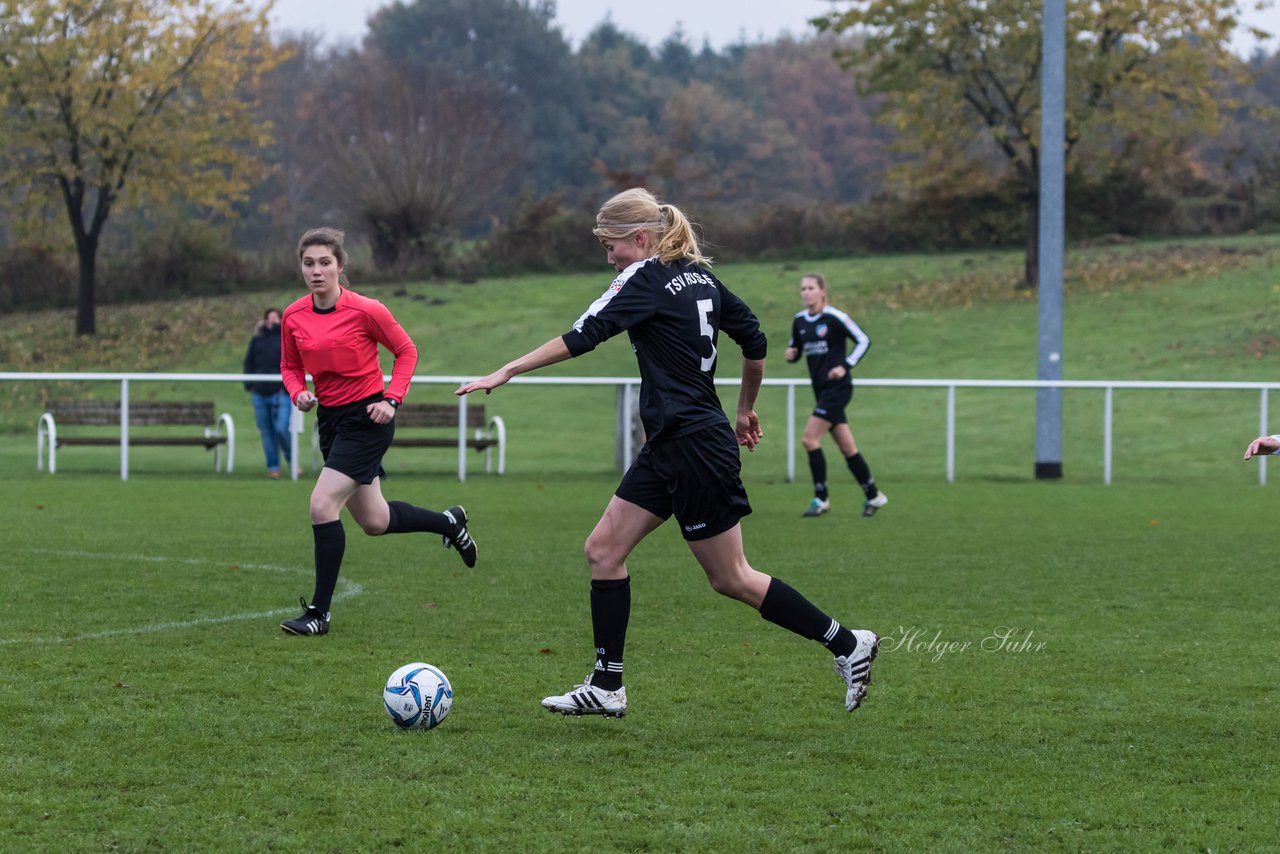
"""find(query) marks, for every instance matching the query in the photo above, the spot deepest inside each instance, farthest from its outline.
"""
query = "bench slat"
(477, 444)
(142, 413)
(437, 415)
(208, 442)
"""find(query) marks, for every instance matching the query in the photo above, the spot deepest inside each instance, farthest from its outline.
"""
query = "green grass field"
(1067, 666)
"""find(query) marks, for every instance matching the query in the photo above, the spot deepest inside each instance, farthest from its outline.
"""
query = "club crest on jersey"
(821, 330)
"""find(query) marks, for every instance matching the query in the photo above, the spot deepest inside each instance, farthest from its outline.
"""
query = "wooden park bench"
(216, 433)
(437, 418)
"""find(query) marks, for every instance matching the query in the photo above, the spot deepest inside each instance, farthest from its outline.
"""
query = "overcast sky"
(721, 22)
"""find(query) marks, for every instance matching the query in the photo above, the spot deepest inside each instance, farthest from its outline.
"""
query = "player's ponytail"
(679, 239)
(638, 209)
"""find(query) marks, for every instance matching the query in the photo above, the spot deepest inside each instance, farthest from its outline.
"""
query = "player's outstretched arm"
(548, 354)
(1262, 445)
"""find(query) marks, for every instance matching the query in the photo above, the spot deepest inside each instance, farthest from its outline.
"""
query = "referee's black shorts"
(695, 477)
(351, 442)
(831, 403)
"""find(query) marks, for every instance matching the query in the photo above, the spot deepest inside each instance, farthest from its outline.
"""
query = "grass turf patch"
(1064, 666)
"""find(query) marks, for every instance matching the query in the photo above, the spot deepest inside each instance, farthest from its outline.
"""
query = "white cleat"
(855, 668)
(817, 507)
(586, 699)
(874, 504)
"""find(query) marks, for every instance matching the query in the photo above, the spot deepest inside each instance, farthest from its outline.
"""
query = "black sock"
(784, 606)
(862, 472)
(610, 611)
(408, 519)
(331, 544)
(818, 466)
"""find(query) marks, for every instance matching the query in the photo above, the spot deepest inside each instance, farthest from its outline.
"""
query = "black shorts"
(831, 402)
(351, 442)
(696, 477)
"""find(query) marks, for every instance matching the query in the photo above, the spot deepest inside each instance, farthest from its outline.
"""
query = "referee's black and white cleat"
(855, 668)
(312, 621)
(874, 504)
(460, 539)
(586, 699)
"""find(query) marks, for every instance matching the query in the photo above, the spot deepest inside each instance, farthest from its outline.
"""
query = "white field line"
(346, 590)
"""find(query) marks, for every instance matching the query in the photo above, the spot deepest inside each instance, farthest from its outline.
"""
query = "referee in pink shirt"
(333, 333)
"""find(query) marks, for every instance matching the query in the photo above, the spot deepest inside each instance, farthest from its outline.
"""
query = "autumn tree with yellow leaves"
(111, 104)
(961, 80)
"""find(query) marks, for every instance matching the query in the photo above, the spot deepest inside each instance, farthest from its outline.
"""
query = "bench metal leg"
(225, 427)
(46, 431)
(498, 429)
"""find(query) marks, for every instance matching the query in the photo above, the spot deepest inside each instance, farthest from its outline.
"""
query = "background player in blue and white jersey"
(673, 309)
(832, 344)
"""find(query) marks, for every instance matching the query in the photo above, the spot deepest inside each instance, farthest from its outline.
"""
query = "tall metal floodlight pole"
(1052, 141)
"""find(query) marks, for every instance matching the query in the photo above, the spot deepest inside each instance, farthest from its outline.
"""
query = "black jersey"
(673, 314)
(823, 339)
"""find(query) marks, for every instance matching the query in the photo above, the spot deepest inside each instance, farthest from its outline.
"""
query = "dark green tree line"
(471, 136)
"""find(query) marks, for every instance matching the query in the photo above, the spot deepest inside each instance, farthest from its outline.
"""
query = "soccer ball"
(418, 696)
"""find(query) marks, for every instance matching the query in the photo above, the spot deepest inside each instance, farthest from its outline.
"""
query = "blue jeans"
(271, 413)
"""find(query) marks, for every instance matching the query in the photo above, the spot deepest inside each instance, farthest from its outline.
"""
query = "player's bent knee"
(594, 553)
(322, 513)
(730, 586)
(601, 557)
(720, 586)
(322, 503)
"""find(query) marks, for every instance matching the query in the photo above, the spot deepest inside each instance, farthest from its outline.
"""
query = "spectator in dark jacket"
(271, 406)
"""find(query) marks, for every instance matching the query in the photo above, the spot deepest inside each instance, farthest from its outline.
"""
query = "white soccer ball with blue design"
(418, 696)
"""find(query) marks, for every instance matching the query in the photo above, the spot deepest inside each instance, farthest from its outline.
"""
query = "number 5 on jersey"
(705, 307)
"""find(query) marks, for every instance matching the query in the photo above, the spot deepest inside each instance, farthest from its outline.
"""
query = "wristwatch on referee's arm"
(395, 404)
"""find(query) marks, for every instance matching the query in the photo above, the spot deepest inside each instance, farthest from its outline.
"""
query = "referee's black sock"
(783, 605)
(408, 519)
(862, 473)
(331, 545)
(610, 612)
(818, 467)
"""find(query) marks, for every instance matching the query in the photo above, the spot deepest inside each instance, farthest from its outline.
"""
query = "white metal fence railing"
(626, 412)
